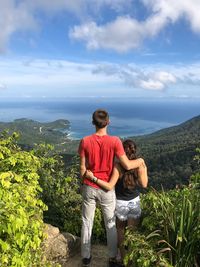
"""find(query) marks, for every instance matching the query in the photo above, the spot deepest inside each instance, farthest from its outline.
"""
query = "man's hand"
(89, 175)
(130, 164)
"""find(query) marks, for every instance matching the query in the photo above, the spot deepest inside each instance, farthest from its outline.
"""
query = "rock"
(58, 247)
(51, 231)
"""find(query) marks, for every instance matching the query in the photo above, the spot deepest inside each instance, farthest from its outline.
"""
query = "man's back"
(99, 152)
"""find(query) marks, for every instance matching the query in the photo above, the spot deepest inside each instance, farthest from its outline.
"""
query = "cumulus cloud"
(157, 80)
(122, 33)
(21, 15)
(151, 84)
(164, 77)
(126, 33)
(143, 77)
(173, 10)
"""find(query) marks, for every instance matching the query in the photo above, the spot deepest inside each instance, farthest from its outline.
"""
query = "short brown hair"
(100, 118)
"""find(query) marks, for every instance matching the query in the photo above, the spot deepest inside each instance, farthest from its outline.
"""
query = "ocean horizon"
(128, 116)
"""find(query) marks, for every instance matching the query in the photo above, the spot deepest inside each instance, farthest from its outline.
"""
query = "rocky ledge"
(60, 247)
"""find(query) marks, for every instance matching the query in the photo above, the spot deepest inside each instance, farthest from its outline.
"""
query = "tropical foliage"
(61, 190)
(169, 154)
(21, 211)
(170, 228)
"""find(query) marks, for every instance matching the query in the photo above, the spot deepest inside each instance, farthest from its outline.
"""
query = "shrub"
(170, 228)
(61, 190)
(21, 212)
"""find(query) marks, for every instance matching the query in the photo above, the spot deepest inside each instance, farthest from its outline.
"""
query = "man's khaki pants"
(107, 201)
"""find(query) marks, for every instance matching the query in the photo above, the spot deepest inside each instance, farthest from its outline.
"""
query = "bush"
(21, 212)
(61, 190)
(170, 228)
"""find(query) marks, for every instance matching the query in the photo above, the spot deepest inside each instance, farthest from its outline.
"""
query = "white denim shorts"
(126, 209)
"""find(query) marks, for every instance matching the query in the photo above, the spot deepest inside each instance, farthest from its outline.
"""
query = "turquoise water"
(128, 116)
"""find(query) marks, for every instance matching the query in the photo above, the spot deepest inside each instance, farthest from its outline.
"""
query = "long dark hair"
(130, 177)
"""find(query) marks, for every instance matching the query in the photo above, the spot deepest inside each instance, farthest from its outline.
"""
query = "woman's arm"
(142, 175)
(106, 185)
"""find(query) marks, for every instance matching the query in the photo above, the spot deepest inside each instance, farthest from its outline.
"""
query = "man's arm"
(142, 176)
(82, 166)
(130, 164)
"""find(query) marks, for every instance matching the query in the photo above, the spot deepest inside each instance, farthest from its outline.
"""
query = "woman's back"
(123, 191)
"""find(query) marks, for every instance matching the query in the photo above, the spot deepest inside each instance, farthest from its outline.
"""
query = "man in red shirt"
(97, 153)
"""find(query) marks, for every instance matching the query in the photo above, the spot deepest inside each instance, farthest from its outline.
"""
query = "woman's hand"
(89, 175)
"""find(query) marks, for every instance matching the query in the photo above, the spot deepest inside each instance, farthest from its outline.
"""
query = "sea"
(128, 116)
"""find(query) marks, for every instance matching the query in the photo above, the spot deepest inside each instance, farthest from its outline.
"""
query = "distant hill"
(34, 132)
(169, 153)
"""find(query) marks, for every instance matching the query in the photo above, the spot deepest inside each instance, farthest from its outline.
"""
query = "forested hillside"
(33, 132)
(169, 153)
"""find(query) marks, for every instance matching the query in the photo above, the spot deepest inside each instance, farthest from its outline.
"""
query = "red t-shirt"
(99, 152)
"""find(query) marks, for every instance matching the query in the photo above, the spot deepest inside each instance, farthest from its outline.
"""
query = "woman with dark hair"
(126, 184)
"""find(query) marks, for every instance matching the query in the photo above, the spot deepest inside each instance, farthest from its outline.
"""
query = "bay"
(128, 116)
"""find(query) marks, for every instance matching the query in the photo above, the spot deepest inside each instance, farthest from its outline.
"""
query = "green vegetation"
(21, 211)
(169, 154)
(61, 190)
(27, 181)
(34, 132)
(170, 231)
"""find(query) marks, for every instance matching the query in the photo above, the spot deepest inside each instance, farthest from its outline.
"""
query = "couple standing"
(100, 173)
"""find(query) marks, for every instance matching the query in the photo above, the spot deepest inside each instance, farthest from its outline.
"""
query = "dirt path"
(99, 258)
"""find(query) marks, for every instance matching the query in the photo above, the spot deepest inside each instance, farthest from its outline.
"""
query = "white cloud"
(173, 10)
(151, 84)
(20, 15)
(150, 78)
(55, 76)
(158, 80)
(126, 33)
(14, 17)
(121, 34)
(164, 77)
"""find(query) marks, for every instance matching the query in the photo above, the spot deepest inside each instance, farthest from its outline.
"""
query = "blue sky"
(131, 48)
